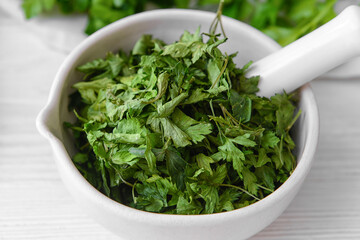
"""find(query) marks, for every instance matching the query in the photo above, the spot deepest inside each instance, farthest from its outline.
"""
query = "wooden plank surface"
(35, 205)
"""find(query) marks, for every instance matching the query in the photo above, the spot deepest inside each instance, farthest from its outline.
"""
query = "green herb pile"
(179, 129)
(283, 20)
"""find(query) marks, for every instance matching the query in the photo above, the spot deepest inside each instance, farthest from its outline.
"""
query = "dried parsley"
(178, 128)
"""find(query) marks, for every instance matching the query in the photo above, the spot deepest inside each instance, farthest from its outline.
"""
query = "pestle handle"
(327, 47)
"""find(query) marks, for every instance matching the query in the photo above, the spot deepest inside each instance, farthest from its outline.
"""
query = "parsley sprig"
(177, 128)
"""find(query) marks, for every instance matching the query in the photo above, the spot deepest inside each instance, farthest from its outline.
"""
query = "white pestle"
(300, 62)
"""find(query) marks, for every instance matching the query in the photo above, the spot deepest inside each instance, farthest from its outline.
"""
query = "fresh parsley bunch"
(283, 20)
(99, 12)
(179, 129)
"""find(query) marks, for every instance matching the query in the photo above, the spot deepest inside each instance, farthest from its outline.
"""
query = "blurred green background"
(282, 20)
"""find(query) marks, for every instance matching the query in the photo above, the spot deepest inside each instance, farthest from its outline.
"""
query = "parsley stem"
(217, 20)
(226, 113)
(265, 188)
(79, 129)
(217, 125)
(245, 126)
(84, 120)
(84, 146)
(121, 178)
(294, 120)
(293, 159)
(280, 149)
(241, 189)
(124, 181)
(166, 145)
(221, 72)
(235, 121)
(133, 193)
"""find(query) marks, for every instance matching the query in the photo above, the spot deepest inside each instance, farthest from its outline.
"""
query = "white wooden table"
(35, 205)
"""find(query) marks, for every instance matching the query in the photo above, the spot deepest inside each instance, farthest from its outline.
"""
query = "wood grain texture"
(35, 205)
(328, 205)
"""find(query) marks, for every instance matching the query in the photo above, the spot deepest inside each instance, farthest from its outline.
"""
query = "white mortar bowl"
(133, 224)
